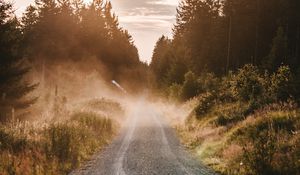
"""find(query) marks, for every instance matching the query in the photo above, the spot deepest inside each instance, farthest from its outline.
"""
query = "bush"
(281, 88)
(225, 93)
(247, 84)
(206, 102)
(190, 86)
(208, 82)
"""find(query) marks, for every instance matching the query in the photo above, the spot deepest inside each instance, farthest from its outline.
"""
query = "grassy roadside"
(232, 141)
(56, 147)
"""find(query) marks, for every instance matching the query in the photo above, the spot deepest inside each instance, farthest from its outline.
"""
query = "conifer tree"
(13, 87)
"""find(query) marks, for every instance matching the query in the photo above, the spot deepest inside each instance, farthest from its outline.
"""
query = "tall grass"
(265, 142)
(53, 147)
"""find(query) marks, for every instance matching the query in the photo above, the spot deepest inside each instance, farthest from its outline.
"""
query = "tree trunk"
(43, 75)
(229, 43)
(256, 32)
(297, 42)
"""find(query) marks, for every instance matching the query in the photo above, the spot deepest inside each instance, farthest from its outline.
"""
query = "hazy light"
(146, 20)
(87, 1)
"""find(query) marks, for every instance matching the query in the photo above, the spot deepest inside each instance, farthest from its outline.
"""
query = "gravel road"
(147, 145)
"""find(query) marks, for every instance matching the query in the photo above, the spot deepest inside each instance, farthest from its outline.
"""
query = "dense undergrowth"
(56, 147)
(246, 123)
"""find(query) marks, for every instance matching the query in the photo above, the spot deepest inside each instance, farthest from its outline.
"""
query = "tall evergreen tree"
(13, 86)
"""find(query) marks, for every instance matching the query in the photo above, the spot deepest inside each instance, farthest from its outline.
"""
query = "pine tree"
(13, 87)
(278, 53)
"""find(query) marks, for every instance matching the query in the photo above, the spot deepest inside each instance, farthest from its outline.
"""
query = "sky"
(146, 20)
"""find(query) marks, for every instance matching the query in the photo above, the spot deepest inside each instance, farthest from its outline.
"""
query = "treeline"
(55, 31)
(222, 36)
(52, 33)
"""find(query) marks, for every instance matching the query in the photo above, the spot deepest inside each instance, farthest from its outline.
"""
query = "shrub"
(190, 86)
(208, 82)
(281, 88)
(225, 93)
(206, 102)
(247, 83)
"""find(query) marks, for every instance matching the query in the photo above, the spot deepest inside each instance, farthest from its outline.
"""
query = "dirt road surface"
(147, 145)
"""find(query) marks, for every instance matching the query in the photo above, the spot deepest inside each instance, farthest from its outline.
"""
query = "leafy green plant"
(247, 84)
(206, 102)
(190, 86)
(281, 88)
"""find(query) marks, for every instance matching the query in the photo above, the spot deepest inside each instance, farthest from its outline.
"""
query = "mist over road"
(147, 145)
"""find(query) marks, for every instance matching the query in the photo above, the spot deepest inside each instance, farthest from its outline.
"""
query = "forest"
(61, 35)
(220, 36)
(237, 62)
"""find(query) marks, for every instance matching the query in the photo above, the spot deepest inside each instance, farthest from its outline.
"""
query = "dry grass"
(223, 147)
(54, 147)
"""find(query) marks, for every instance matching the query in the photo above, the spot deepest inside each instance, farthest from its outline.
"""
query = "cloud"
(146, 20)
(150, 22)
(164, 2)
(146, 15)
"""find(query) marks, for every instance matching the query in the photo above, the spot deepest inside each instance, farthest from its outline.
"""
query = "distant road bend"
(147, 146)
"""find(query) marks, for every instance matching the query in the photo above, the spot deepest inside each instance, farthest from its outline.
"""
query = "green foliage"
(175, 73)
(197, 26)
(282, 88)
(247, 84)
(160, 60)
(206, 102)
(190, 86)
(223, 36)
(208, 82)
(278, 51)
(13, 87)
